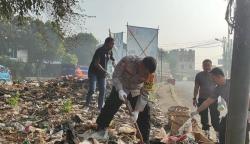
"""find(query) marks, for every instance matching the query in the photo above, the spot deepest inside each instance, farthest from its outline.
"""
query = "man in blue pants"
(98, 71)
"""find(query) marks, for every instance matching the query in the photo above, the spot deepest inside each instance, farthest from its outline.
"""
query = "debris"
(174, 139)
(177, 116)
(52, 112)
(186, 127)
(126, 129)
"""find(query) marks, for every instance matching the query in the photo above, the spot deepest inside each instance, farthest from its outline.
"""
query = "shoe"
(100, 135)
(207, 133)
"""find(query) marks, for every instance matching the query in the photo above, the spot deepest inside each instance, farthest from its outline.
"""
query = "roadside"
(181, 94)
(167, 97)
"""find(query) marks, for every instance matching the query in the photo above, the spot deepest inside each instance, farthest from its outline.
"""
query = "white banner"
(142, 41)
(118, 51)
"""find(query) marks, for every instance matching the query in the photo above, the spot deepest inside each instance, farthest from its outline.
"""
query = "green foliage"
(83, 45)
(70, 59)
(45, 44)
(44, 41)
(67, 106)
(14, 100)
(57, 9)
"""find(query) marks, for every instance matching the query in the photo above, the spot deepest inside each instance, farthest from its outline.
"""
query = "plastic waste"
(174, 139)
(186, 127)
(141, 103)
(18, 126)
(2, 125)
(222, 107)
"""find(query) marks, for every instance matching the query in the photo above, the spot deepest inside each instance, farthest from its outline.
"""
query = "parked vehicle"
(82, 72)
(5, 74)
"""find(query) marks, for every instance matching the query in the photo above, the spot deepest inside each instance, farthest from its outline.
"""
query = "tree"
(43, 41)
(69, 59)
(58, 9)
(83, 45)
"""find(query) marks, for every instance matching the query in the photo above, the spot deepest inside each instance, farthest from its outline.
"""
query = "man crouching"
(128, 80)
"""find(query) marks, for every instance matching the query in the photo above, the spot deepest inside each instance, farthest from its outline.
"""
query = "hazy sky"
(179, 21)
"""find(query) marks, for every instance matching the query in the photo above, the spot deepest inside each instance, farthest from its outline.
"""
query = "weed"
(14, 100)
(67, 106)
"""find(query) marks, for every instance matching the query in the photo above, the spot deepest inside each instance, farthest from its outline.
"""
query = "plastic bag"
(141, 103)
(222, 107)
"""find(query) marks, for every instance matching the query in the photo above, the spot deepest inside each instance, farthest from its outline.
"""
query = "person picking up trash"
(222, 90)
(129, 77)
(203, 88)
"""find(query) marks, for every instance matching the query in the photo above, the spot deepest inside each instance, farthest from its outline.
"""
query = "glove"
(193, 114)
(134, 116)
(107, 74)
(194, 102)
(122, 95)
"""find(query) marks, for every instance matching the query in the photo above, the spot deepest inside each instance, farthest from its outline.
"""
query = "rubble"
(52, 112)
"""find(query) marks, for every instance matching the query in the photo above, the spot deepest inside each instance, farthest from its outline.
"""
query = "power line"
(189, 43)
(205, 45)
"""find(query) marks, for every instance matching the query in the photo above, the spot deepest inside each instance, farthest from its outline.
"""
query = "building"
(16, 54)
(182, 64)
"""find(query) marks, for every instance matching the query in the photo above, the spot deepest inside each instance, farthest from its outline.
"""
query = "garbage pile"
(51, 112)
(182, 128)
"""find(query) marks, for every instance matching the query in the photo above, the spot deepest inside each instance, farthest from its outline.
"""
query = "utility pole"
(161, 50)
(224, 41)
(224, 54)
(240, 76)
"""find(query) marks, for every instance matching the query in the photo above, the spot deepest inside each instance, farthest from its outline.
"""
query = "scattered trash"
(52, 112)
(126, 129)
(177, 117)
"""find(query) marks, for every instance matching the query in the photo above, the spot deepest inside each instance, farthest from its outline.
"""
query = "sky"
(181, 23)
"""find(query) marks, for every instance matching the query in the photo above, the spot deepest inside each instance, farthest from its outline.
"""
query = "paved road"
(180, 94)
(184, 92)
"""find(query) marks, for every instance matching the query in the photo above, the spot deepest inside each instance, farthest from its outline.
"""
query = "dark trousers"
(247, 133)
(214, 114)
(113, 104)
(222, 131)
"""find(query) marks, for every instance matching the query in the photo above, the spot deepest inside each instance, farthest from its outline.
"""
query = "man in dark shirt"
(222, 89)
(98, 71)
(205, 86)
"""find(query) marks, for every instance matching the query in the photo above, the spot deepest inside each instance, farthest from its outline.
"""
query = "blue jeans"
(92, 86)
